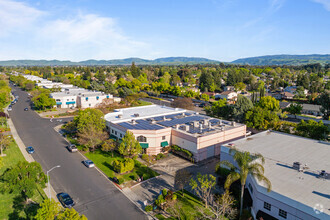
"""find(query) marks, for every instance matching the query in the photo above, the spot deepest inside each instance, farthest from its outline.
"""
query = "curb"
(103, 174)
(27, 156)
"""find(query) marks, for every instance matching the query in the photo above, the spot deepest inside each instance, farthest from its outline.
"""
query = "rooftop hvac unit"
(136, 115)
(133, 121)
(297, 166)
(233, 123)
(153, 121)
(323, 174)
(120, 116)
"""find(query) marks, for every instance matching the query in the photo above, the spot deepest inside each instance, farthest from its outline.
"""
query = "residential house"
(310, 109)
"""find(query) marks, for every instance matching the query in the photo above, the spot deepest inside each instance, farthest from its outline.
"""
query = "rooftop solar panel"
(141, 125)
(184, 120)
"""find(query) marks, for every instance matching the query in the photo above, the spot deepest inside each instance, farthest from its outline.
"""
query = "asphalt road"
(95, 196)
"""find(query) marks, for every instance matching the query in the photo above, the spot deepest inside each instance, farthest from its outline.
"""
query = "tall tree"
(324, 100)
(89, 117)
(182, 178)
(129, 147)
(91, 137)
(24, 178)
(109, 145)
(51, 210)
(4, 142)
(246, 164)
(203, 186)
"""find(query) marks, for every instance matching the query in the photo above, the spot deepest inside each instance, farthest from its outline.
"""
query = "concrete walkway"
(26, 155)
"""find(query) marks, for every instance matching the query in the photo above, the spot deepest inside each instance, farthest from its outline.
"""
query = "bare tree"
(203, 186)
(91, 137)
(183, 103)
(221, 207)
(4, 143)
(182, 178)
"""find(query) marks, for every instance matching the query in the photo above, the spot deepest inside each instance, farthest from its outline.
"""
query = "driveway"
(95, 196)
(167, 168)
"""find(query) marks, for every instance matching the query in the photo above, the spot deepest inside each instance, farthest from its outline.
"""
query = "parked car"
(88, 163)
(26, 109)
(65, 200)
(9, 108)
(30, 150)
(72, 148)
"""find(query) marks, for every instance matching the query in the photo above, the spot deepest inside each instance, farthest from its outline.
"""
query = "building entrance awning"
(164, 144)
(144, 145)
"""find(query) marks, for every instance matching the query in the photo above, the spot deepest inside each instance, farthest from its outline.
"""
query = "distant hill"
(128, 61)
(285, 59)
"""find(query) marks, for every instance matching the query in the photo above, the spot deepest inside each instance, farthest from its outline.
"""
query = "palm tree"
(246, 164)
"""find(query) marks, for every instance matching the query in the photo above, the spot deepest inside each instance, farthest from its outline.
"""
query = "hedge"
(184, 151)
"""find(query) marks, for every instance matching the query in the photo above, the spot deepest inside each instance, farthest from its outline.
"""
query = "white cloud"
(276, 4)
(86, 36)
(15, 16)
(325, 3)
(29, 33)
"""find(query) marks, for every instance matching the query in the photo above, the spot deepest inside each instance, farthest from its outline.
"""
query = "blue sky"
(223, 30)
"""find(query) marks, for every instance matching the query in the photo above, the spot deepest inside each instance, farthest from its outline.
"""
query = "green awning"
(144, 145)
(164, 144)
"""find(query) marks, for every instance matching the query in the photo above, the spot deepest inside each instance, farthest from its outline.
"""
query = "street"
(95, 196)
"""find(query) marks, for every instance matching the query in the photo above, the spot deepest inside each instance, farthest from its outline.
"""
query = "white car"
(88, 163)
(9, 109)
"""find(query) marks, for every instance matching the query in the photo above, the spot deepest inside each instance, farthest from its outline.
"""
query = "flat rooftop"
(156, 117)
(141, 112)
(280, 151)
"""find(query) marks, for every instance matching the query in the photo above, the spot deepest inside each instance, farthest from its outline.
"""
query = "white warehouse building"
(298, 169)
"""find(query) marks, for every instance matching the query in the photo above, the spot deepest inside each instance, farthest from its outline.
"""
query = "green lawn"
(103, 161)
(190, 206)
(13, 155)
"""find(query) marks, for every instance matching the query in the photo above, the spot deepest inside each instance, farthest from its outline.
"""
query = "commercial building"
(298, 169)
(71, 96)
(157, 126)
(78, 97)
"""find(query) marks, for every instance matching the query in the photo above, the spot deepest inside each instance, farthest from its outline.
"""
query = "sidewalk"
(27, 156)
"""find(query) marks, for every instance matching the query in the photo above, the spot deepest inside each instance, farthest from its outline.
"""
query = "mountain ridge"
(282, 59)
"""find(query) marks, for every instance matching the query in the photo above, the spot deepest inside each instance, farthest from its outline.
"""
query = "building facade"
(294, 166)
(157, 126)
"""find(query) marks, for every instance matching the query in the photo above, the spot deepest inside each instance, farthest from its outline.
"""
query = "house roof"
(287, 94)
(301, 190)
(284, 104)
(226, 92)
(310, 107)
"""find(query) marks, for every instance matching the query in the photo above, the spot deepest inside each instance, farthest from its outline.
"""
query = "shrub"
(159, 156)
(148, 208)
(145, 157)
(174, 197)
(123, 166)
(222, 171)
(184, 151)
(120, 181)
(164, 192)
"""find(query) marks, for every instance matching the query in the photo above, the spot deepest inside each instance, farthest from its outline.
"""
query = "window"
(163, 137)
(282, 213)
(267, 206)
(250, 187)
(115, 132)
(141, 139)
(121, 135)
(112, 131)
(72, 99)
(67, 99)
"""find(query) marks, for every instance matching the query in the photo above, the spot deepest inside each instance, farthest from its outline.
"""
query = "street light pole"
(50, 195)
